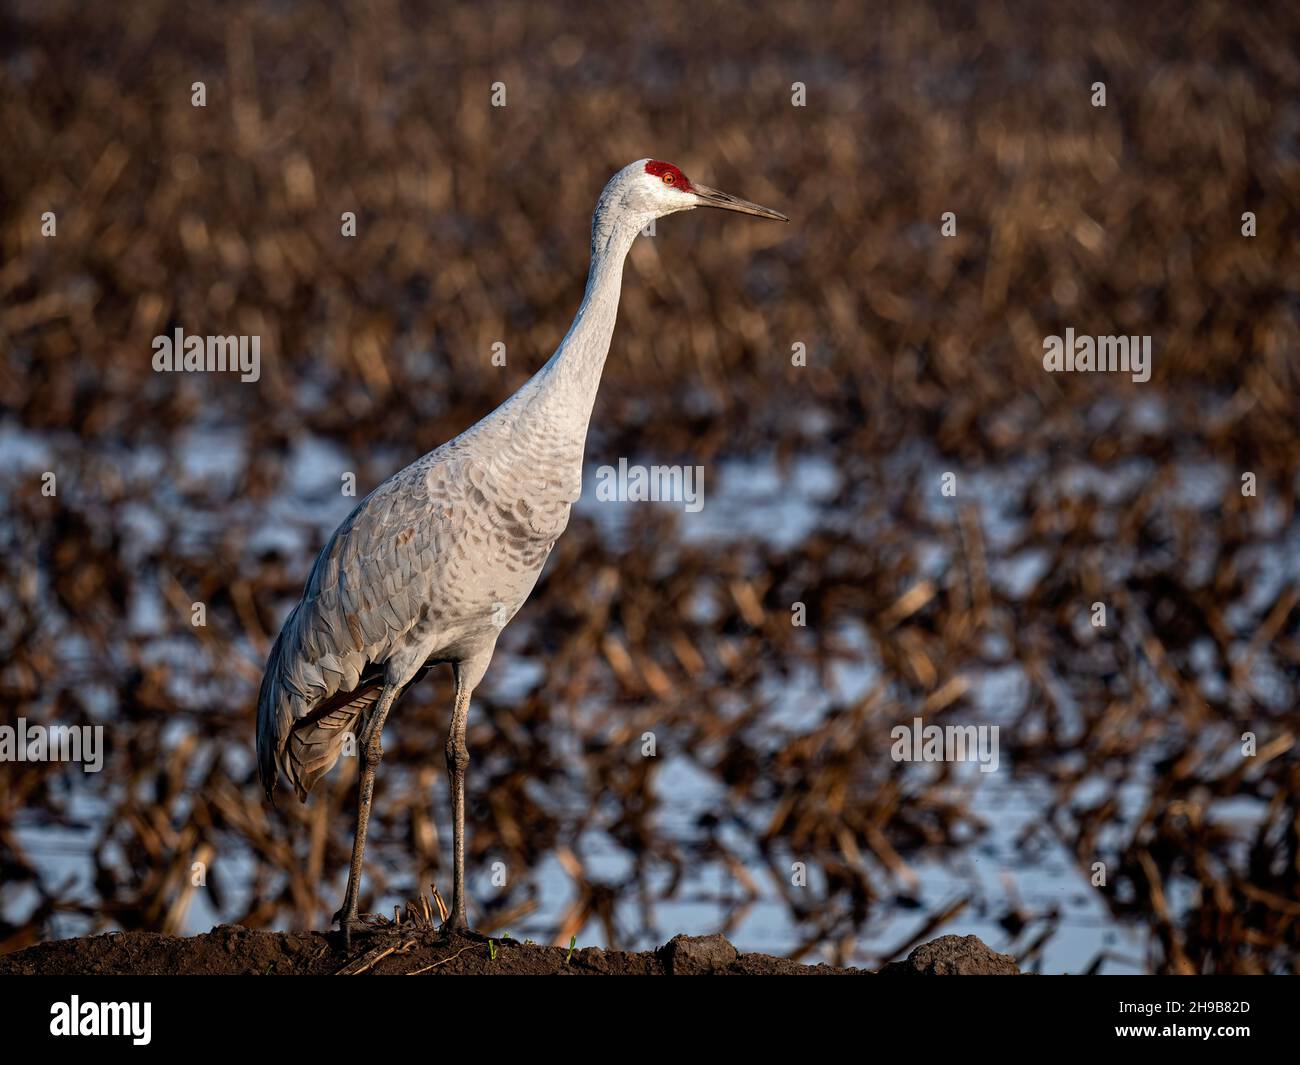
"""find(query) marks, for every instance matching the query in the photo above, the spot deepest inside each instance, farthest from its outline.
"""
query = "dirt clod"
(954, 956)
(697, 955)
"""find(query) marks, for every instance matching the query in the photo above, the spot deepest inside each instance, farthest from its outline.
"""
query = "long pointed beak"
(713, 198)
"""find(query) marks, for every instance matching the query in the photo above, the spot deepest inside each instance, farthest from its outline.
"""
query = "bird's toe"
(351, 927)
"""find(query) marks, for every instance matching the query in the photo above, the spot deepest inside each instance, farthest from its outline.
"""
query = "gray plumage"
(433, 563)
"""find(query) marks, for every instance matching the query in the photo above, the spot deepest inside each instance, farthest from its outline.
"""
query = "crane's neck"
(566, 386)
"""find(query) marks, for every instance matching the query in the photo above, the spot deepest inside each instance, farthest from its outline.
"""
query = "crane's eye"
(668, 179)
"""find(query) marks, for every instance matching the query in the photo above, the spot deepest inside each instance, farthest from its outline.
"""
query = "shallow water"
(1015, 864)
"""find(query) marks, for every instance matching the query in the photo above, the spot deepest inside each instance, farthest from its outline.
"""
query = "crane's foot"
(454, 923)
(352, 926)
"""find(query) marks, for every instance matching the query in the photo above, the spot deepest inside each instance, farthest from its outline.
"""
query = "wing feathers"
(365, 592)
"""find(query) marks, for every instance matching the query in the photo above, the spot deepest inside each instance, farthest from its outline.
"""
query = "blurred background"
(1119, 745)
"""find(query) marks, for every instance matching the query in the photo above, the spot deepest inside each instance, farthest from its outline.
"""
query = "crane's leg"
(467, 675)
(370, 752)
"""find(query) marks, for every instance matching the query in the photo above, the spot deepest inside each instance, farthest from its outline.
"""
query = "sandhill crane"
(432, 564)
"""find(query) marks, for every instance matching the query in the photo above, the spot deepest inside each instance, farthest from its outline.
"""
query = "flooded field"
(689, 728)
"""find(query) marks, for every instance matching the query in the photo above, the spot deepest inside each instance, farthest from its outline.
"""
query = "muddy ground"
(392, 951)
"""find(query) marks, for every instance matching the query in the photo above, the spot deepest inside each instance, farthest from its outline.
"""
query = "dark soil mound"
(231, 950)
(954, 956)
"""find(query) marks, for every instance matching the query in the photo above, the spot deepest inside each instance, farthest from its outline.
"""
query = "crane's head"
(651, 188)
